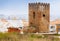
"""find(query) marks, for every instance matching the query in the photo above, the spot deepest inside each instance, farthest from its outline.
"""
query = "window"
(20, 27)
(33, 14)
(43, 15)
(52, 27)
(31, 23)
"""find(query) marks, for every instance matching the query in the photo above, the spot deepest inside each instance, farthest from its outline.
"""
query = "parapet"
(43, 4)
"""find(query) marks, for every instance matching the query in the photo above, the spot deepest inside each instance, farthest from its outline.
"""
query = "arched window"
(33, 14)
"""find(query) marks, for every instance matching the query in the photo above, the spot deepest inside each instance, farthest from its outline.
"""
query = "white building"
(4, 24)
(55, 26)
(52, 28)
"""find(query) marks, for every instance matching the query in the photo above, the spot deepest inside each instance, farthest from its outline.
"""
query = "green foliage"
(56, 39)
(57, 34)
(36, 36)
(4, 35)
(24, 37)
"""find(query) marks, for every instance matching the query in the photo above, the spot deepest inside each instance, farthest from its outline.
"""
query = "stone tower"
(39, 16)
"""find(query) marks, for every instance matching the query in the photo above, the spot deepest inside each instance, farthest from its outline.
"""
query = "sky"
(20, 8)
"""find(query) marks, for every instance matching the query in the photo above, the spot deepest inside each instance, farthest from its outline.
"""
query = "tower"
(39, 16)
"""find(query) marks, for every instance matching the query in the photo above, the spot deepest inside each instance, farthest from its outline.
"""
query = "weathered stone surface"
(39, 16)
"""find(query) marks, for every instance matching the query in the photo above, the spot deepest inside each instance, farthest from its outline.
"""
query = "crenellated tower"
(39, 16)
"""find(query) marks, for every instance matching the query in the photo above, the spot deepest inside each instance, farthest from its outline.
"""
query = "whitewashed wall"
(52, 29)
(10, 23)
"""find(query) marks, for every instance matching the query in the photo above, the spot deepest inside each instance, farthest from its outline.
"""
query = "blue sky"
(20, 7)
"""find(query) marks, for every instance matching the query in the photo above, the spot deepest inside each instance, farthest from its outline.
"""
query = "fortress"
(39, 16)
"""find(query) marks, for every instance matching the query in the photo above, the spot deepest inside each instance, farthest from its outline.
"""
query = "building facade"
(55, 26)
(12, 29)
(39, 16)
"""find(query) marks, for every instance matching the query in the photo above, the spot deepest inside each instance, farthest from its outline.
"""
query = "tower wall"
(39, 16)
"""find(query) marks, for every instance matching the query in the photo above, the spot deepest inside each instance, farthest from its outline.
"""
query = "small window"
(31, 23)
(43, 15)
(33, 14)
(20, 27)
(52, 27)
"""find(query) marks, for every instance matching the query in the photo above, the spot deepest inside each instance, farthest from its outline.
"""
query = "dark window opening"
(20, 27)
(33, 14)
(43, 15)
(31, 23)
(52, 27)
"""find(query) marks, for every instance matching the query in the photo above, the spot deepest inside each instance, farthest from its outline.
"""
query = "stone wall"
(39, 16)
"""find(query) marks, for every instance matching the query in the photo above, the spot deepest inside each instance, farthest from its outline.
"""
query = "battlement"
(42, 4)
